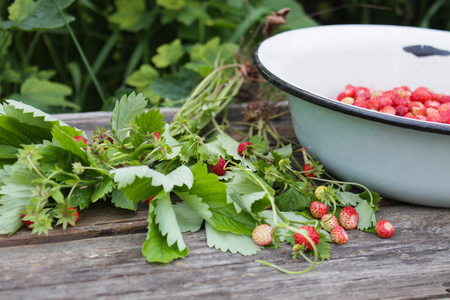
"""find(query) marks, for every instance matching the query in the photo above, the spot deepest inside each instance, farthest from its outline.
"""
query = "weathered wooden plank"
(413, 264)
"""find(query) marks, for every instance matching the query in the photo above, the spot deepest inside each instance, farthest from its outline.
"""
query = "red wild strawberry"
(384, 229)
(349, 90)
(157, 135)
(244, 148)
(25, 222)
(220, 168)
(318, 209)
(432, 103)
(401, 110)
(262, 235)
(330, 220)
(80, 138)
(339, 235)
(75, 213)
(421, 94)
(341, 96)
(306, 169)
(312, 234)
(348, 218)
(149, 199)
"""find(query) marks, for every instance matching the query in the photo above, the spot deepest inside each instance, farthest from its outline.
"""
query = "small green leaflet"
(227, 241)
(125, 111)
(188, 219)
(292, 200)
(141, 182)
(347, 198)
(251, 194)
(175, 87)
(155, 247)
(150, 121)
(81, 197)
(119, 200)
(30, 115)
(34, 15)
(64, 137)
(16, 192)
(366, 214)
(167, 222)
(168, 54)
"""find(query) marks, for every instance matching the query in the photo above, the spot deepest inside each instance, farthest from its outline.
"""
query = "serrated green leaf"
(16, 192)
(292, 200)
(187, 218)
(167, 221)
(102, 189)
(155, 247)
(196, 204)
(119, 200)
(44, 94)
(366, 215)
(150, 121)
(30, 115)
(34, 15)
(212, 192)
(8, 155)
(227, 241)
(16, 133)
(168, 54)
(125, 110)
(141, 182)
(143, 77)
(64, 136)
(175, 87)
(82, 196)
(347, 198)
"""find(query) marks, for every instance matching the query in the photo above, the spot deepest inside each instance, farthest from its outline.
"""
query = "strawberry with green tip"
(220, 168)
(348, 218)
(262, 235)
(312, 234)
(330, 220)
(244, 149)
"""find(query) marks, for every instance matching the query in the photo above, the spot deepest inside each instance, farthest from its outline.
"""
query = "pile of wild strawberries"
(422, 103)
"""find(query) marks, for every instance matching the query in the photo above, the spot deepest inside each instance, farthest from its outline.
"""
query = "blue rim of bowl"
(336, 105)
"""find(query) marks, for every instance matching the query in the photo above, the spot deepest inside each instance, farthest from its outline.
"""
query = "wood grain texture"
(413, 264)
(101, 257)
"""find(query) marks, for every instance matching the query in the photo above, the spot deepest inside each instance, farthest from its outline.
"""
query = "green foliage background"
(96, 51)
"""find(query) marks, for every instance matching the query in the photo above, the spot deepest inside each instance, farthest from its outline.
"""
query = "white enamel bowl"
(397, 157)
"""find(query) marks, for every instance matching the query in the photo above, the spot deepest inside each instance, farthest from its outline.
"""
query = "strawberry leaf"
(155, 247)
(82, 196)
(150, 121)
(124, 112)
(64, 137)
(119, 200)
(30, 115)
(168, 54)
(366, 215)
(347, 198)
(212, 192)
(33, 15)
(167, 222)
(188, 219)
(16, 192)
(292, 200)
(16, 133)
(140, 182)
(227, 241)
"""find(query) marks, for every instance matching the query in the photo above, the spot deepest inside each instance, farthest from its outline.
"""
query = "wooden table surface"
(101, 258)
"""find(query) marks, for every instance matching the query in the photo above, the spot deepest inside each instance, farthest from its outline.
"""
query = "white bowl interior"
(323, 60)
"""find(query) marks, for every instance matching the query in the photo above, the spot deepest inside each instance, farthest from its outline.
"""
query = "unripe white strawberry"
(262, 235)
